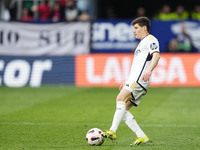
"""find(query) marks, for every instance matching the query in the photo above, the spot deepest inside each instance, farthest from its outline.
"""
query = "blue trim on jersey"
(132, 101)
(149, 57)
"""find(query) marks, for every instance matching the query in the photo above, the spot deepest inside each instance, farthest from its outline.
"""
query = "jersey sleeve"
(153, 44)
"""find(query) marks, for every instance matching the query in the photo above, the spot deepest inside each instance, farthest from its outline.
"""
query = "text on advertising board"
(112, 70)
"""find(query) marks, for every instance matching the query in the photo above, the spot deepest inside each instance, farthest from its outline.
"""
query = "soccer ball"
(94, 137)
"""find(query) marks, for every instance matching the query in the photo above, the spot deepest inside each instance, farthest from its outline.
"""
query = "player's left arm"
(154, 62)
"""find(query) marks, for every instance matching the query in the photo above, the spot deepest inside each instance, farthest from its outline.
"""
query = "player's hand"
(146, 76)
(121, 86)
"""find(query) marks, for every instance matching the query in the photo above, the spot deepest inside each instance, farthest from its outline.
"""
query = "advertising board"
(36, 71)
(59, 39)
(112, 69)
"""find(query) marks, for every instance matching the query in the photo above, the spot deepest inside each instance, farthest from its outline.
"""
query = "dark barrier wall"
(35, 71)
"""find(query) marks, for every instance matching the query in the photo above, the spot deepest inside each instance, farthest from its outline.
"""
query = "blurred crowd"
(75, 10)
(180, 13)
(48, 10)
(181, 42)
(165, 13)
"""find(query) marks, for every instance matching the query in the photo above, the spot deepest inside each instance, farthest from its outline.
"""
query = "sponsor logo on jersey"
(153, 46)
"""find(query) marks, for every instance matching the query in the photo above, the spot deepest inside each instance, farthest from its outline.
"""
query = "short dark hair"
(142, 21)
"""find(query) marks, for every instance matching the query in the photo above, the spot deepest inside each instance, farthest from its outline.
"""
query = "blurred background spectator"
(63, 4)
(141, 12)
(180, 13)
(172, 46)
(71, 11)
(14, 9)
(44, 10)
(84, 16)
(55, 14)
(165, 13)
(181, 43)
(195, 15)
(184, 41)
(4, 12)
(26, 15)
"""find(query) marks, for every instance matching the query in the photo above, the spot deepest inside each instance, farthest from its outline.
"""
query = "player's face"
(139, 31)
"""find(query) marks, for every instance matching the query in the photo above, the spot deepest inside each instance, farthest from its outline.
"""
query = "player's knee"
(128, 105)
(121, 99)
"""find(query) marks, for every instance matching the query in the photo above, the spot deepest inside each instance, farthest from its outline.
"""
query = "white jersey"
(142, 60)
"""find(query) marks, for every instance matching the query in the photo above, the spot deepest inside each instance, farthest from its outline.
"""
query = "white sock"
(119, 113)
(132, 124)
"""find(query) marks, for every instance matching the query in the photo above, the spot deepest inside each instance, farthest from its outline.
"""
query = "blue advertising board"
(36, 71)
(117, 36)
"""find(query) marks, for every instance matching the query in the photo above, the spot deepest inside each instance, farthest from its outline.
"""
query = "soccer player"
(146, 58)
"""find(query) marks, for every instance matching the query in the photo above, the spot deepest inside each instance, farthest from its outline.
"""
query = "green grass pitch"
(58, 118)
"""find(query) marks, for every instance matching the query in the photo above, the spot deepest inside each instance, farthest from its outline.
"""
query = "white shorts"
(136, 91)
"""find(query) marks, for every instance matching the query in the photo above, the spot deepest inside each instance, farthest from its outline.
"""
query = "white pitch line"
(169, 125)
(96, 124)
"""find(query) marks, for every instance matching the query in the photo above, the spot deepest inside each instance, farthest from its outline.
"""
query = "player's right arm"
(154, 62)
